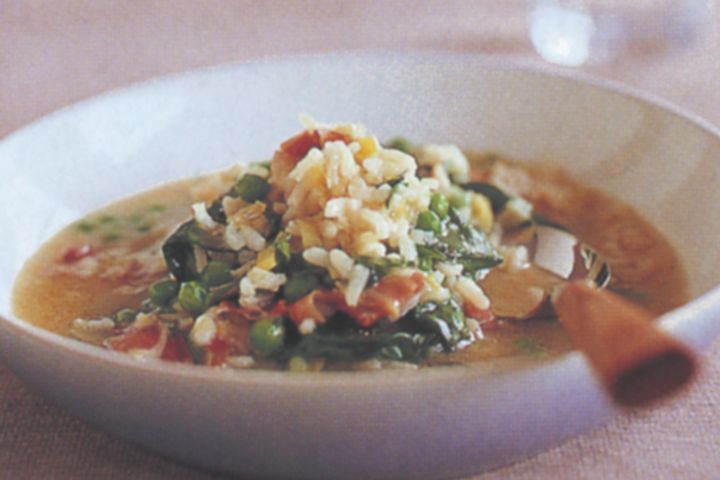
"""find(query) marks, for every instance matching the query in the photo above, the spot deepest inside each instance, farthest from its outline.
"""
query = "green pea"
(298, 286)
(126, 315)
(162, 292)
(215, 273)
(193, 297)
(428, 220)
(85, 227)
(439, 204)
(251, 188)
(267, 336)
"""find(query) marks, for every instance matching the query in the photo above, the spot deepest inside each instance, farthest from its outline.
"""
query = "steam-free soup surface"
(106, 262)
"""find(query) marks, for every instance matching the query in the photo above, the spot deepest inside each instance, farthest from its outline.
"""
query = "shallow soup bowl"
(429, 423)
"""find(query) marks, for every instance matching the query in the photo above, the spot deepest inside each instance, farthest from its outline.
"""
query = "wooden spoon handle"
(636, 361)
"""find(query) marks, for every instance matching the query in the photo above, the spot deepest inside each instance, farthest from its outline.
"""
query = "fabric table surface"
(56, 53)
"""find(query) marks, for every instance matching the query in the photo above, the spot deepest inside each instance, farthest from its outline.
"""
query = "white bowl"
(438, 422)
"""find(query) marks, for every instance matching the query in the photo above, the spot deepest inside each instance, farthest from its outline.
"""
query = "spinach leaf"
(444, 323)
(303, 277)
(217, 212)
(379, 267)
(459, 242)
(179, 249)
(400, 346)
(429, 326)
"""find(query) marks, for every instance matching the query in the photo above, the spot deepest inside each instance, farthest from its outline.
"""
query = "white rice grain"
(341, 263)
(265, 280)
(204, 330)
(316, 256)
(471, 292)
(252, 238)
(307, 326)
(358, 278)
(233, 238)
(202, 217)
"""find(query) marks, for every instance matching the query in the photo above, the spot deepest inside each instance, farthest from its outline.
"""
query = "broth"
(127, 236)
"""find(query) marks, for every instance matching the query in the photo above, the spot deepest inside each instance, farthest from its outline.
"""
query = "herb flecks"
(531, 347)
(111, 228)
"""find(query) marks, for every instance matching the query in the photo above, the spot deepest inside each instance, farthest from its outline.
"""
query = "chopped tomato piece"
(299, 145)
(217, 352)
(233, 312)
(135, 339)
(308, 306)
(280, 308)
(390, 298)
(176, 349)
(75, 254)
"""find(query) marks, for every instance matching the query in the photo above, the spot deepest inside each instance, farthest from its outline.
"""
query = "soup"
(342, 253)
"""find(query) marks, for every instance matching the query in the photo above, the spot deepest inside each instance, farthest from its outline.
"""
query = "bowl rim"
(672, 321)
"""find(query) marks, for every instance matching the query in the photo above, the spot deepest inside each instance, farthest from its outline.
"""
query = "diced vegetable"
(299, 285)
(251, 188)
(368, 147)
(163, 292)
(267, 335)
(216, 273)
(267, 259)
(193, 297)
(428, 220)
(179, 249)
(481, 212)
(439, 204)
(282, 250)
(126, 316)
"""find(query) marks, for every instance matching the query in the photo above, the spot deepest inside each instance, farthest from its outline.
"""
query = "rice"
(233, 238)
(316, 256)
(340, 262)
(307, 326)
(449, 156)
(203, 217)
(339, 195)
(358, 278)
(204, 330)
(471, 292)
(253, 238)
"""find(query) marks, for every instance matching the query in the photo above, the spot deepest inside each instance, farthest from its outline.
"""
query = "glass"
(578, 32)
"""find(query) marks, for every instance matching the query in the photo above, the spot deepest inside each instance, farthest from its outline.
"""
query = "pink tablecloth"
(54, 53)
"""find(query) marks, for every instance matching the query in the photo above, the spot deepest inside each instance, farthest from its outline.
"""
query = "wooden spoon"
(636, 361)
